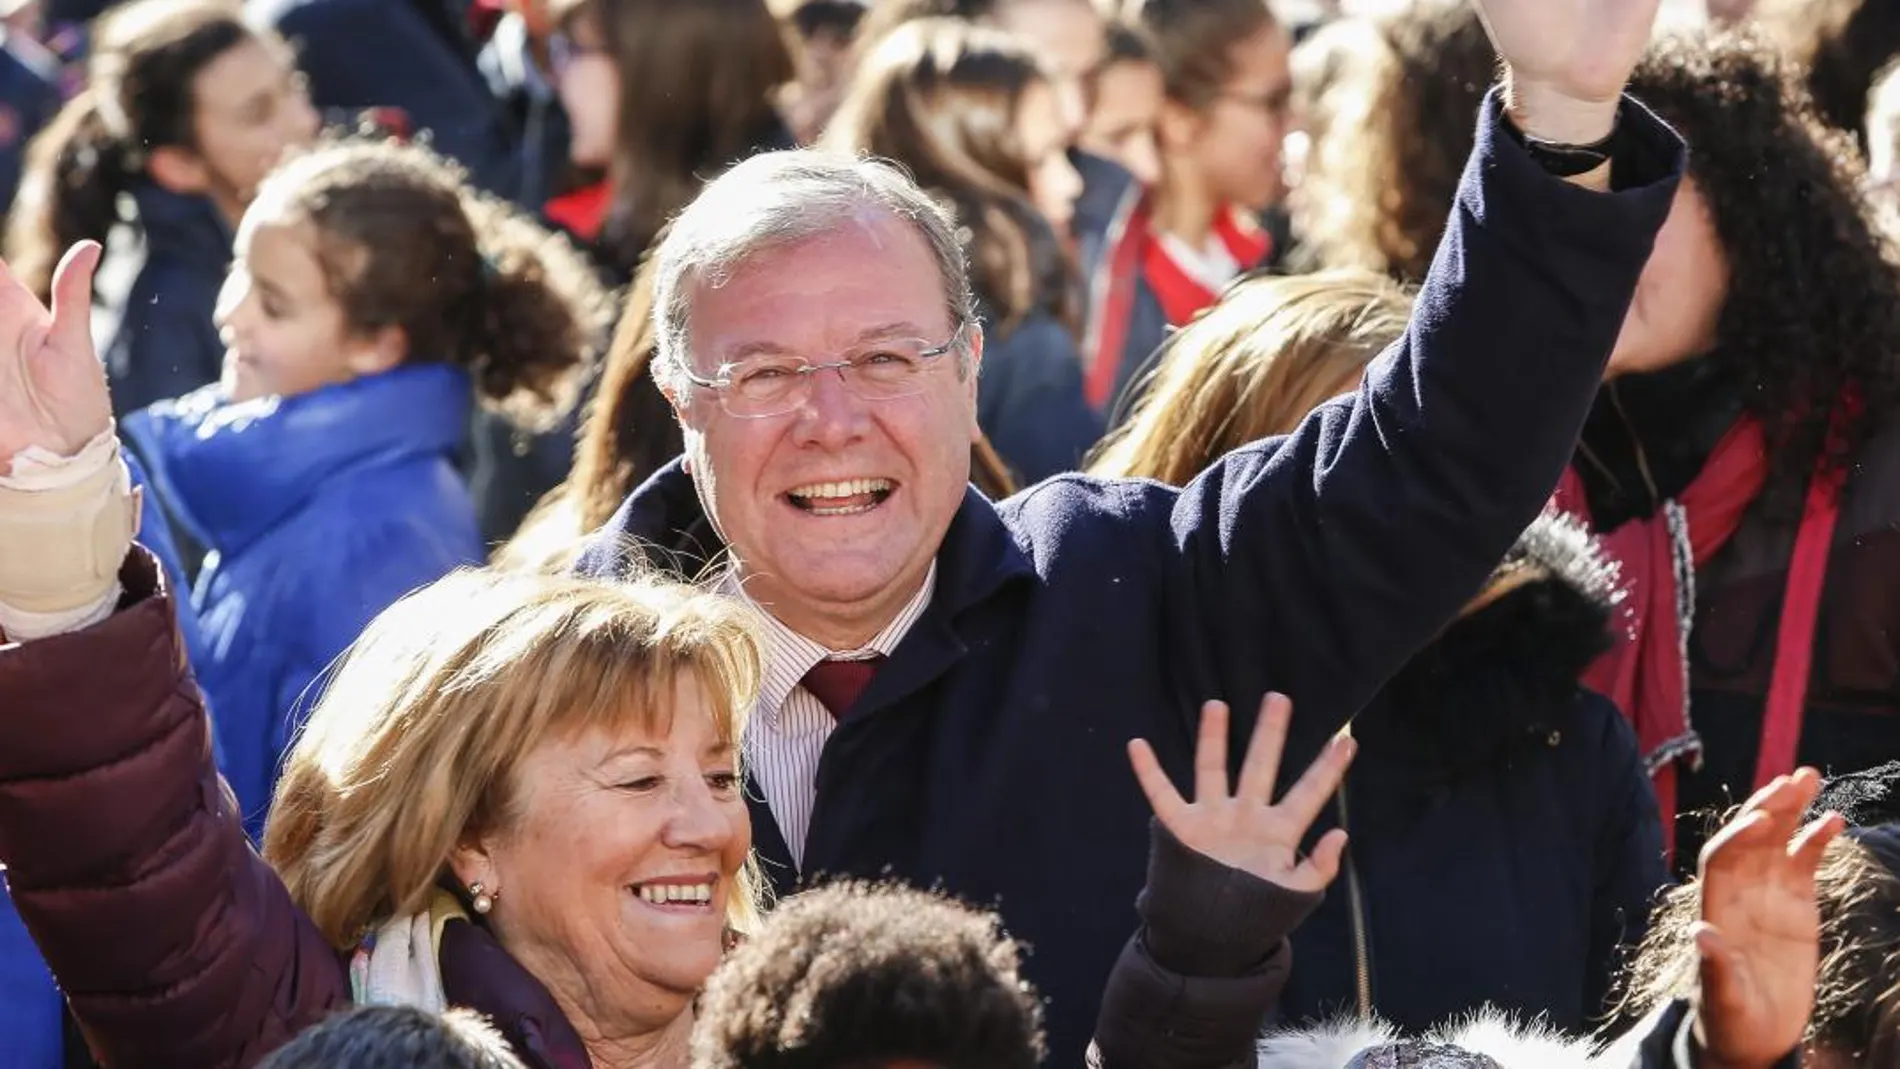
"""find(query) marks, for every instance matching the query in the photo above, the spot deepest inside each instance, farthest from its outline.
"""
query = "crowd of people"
(927, 534)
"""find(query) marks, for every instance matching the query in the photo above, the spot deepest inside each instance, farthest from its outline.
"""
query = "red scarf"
(1181, 294)
(581, 212)
(1647, 673)
(1135, 252)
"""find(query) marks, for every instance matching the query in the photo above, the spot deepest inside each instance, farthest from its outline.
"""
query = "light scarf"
(399, 962)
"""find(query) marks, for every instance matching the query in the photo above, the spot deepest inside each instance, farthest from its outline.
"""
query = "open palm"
(1245, 830)
(1759, 936)
(52, 386)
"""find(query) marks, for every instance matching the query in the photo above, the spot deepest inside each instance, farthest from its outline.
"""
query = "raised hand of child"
(1759, 936)
(1245, 829)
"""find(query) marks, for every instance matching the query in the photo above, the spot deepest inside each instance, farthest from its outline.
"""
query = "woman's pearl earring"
(484, 901)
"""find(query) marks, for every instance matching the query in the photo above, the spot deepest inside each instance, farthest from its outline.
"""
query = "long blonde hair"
(1252, 367)
(417, 742)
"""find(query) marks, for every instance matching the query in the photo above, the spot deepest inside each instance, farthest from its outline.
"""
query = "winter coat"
(158, 292)
(987, 756)
(1851, 718)
(321, 510)
(1029, 399)
(416, 56)
(32, 1012)
(1504, 838)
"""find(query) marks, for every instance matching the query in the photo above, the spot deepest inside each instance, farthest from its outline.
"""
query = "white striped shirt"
(786, 734)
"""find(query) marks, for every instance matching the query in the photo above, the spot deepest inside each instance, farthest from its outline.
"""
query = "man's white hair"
(779, 199)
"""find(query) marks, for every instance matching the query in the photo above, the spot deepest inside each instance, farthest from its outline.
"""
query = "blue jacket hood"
(234, 471)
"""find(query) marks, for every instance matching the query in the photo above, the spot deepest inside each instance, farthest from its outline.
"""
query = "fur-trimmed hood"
(1494, 679)
(1488, 1034)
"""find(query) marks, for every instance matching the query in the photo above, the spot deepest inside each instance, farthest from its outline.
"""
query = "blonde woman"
(519, 795)
(1504, 838)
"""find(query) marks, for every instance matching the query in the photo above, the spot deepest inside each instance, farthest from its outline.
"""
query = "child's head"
(972, 114)
(1224, 66)
(360, 257)
(1125, 96)
(848, 975)
(395, 1037)
(179, 92)
(1253, 366)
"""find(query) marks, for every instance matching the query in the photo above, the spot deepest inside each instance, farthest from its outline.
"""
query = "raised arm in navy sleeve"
(1318, 563)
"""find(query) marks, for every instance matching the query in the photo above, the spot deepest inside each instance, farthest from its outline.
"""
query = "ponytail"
(539, 314)
(75, 171)
(404, 242)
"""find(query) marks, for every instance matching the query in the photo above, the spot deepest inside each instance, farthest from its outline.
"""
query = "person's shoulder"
(1074, 510)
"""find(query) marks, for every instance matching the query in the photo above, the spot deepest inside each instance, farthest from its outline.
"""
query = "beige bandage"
(61, 548)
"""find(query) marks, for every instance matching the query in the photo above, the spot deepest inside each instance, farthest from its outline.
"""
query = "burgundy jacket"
(175, 943)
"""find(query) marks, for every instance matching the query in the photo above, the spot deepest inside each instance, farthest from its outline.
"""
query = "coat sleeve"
(1629, 865)
(1318, 563)
(1193, 987)
(174, 942)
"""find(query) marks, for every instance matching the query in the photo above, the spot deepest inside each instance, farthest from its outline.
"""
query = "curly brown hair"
(1813, 308)
(857, 975)
(1378, 97)
(404, 241)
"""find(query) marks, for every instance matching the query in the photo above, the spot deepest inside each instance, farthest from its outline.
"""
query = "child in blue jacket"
(373, 297)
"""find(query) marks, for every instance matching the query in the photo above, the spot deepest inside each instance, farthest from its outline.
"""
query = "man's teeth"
(848, 488)
(661, 894)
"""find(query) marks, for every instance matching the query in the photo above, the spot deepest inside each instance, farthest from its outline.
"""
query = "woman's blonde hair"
(418, 740)
(1251, 367)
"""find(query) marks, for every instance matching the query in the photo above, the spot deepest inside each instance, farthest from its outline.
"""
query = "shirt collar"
(789, 655)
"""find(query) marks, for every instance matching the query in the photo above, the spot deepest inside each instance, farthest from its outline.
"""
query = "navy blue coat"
(1505, 840)
(157, 300)
(406, 54)
(1029, 399)
(322, 510)
(988, 754)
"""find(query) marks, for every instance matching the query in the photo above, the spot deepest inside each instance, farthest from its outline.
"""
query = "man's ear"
(383, 350)
(178, 170)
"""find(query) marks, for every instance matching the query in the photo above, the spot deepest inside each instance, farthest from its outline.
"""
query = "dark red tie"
(839, 683)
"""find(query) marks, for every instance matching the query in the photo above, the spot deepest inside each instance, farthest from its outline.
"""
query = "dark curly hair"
(1813, 309)
(851, 976)
(396, 1037)
(405, 242)
(1814, 298)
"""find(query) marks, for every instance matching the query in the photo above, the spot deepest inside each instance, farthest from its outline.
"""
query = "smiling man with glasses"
(949, 683)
